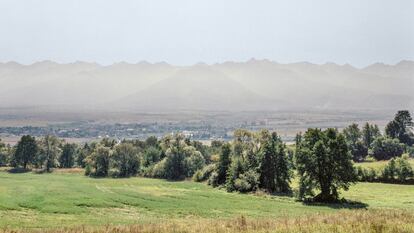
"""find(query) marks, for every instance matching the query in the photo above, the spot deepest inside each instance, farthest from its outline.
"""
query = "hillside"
(251, 85)
(199, 87)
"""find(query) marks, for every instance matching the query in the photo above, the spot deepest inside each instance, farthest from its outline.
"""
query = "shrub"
(249, 181)
(193, 163)
(389, 171)
(366, 175)
(386, 148)
(197, 176)
(410, 151)
(372, 175)
(398, 170)
(404, 171)
(204, 173)
(213, 180)
(147, 171)
(88, 170)
(242, 185)
(159, 169)
(151, 156)
(235, 169)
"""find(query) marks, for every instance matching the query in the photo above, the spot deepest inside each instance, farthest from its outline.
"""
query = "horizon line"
(251, 60)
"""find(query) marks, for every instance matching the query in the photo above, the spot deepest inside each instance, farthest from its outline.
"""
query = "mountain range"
(235, 86)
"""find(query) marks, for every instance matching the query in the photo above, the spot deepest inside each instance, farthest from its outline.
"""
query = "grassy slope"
(55, 200)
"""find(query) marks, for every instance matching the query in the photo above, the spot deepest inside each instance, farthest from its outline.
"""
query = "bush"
(386, 148)
(242, 185)
(88, 170)
(159, 169)
(247, 182)
(389, 171)
(147, 171)
(398, 171)
(404, 171)
(213, 180)
(410, 151)
(235, 169)
(151, 156)
(197, 176)
(180, 160)
(359, 152)
(366, 175)
(204, 173)
(193, 163)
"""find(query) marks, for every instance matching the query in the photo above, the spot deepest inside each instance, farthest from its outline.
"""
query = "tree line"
(397, 170)
(323, 160)
(370, 142)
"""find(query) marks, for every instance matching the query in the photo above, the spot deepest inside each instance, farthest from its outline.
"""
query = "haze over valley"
(253, 85)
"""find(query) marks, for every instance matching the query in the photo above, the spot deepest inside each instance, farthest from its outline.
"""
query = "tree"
(215, 146)
(404, 171)
(386, 148)
(125, 159)
(283, 173)
(179, 158)
(352, 134)
(193, 161)
(375, 131)
(3, 154)
(99, 161)
(353, 139)
(151, 141)
(223, 163)
(401, 127)
(174, 160)
(25, 152)
(369, 134)
(67, 157)
(390, 171)
(203, 149)
(268, 164)
(151, 156)
(82, 154)
(49, 150)
(324, 163)
(234, 172)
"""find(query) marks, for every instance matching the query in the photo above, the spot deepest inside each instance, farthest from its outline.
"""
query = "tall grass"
(362, 221)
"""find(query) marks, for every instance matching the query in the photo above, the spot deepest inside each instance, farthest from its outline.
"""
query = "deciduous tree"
(324, 163)
(67, 157)
(25, 152)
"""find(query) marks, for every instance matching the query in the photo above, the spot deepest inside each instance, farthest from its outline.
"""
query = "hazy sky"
(358, 32)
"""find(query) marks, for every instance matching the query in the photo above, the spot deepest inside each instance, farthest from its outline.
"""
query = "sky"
(185, 32)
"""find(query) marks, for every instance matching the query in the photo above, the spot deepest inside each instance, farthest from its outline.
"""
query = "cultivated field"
(67, 199)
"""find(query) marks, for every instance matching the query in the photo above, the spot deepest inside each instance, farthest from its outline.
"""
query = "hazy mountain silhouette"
(251, 85)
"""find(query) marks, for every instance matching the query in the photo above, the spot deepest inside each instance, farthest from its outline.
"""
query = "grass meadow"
(379, 165)
(70, 201)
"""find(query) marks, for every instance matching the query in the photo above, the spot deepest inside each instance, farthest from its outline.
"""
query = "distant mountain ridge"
(239, 86)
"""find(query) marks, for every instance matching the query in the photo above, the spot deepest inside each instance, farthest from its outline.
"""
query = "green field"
(29, 200)
(379, 165)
